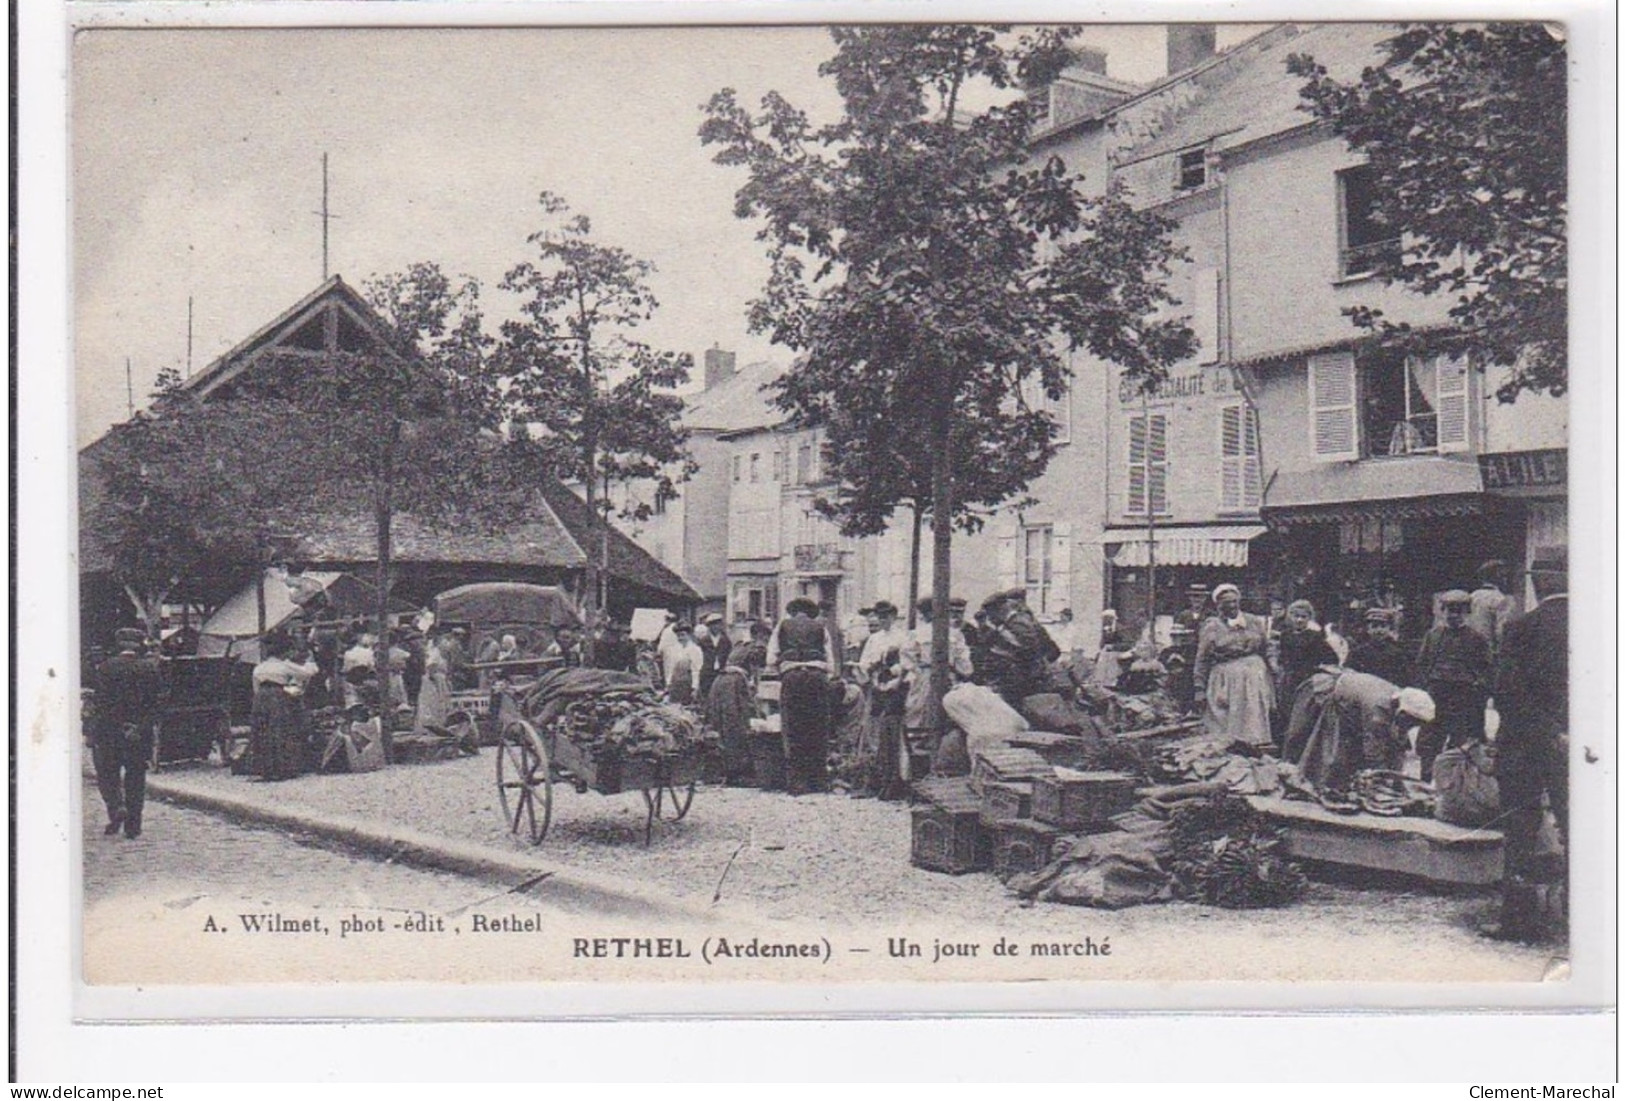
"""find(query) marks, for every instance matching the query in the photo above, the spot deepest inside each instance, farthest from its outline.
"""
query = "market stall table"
(1421, 847)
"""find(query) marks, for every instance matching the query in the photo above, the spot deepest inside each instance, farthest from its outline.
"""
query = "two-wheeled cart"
(533, 756)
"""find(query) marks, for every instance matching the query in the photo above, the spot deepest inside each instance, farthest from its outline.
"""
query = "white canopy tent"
(235, 626)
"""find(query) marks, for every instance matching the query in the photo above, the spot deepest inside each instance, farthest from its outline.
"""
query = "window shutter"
(1452, 377)
(1157, 453)
(1333, 432)
(1205, 313)
(1232, 458)
(1061, 561)
(1252, 480)
(1136, 464)
(1008, 554)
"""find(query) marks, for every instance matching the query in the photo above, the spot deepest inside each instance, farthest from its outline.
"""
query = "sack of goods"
(631, 725)
(983, 715)
(1464, 782)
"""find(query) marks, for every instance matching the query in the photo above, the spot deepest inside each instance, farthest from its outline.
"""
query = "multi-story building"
(1282, 455)
(1378, 477)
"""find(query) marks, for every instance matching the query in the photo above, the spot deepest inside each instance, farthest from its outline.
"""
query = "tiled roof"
(557, 537)
(627, 560)
(737, 403)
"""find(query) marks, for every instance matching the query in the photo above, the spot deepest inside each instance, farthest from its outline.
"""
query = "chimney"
(1091, 59)
(719, 366)
(1190, 44)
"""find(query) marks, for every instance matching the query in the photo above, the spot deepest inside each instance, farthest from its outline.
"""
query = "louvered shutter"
(1333, 430)
(1452, 381)
(1061, 565)
(1157, 454)
(1232, 458)
(1252, 467)
(1205, 313)
(1008, 562)
(1136, 464)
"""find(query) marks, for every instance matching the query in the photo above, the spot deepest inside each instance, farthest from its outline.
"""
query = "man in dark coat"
(1454, 666)
(1532, 696)
(800, 649)
(129, 691)
(1018, 650)
(1381, 653)
(616, 650)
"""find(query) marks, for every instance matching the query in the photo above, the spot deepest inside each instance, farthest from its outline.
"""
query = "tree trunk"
(589, 604)
(383, 515)
(914, 569)
(942, 510)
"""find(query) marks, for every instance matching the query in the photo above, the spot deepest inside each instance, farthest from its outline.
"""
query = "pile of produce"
(1391, 794)
(1223, 853)
(630, 725)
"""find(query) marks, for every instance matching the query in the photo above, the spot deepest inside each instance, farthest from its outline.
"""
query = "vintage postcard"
(1081, 510)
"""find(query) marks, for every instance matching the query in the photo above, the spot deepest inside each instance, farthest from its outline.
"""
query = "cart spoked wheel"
(651, 802)
(525, 781)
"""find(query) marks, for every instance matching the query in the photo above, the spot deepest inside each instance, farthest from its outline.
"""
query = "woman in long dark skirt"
(728, 710)
(279, 736)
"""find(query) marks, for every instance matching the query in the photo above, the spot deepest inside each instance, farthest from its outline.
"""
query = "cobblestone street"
(836, 862)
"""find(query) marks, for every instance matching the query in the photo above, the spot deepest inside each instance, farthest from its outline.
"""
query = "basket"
(1066, 750)
(1006, 801)
(1003, 764)
(948, 835)
(951, 841)
(1022, 846)
(1083, 801)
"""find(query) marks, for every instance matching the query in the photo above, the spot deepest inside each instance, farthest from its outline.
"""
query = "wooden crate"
(1082, 800)
(1066, 750)
(1006, 801)
(950, 840)
(1022, 846)
(1002, 765)
(945, 791)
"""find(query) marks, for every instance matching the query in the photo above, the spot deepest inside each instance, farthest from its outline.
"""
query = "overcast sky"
(197, 170)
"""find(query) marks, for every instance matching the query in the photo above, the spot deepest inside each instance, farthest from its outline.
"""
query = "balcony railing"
(821, 558)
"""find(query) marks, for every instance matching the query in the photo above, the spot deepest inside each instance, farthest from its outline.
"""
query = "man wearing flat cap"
(1380, 652)
(1532, 695)
(1454, 666)
(129, 691)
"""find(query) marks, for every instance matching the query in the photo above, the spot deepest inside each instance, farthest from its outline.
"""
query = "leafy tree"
(1465, 131)
(907, 271)
(406, 422)
(599, 405)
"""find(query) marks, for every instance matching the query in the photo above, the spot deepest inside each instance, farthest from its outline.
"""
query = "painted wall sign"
(1525, 469)
(1194, 384)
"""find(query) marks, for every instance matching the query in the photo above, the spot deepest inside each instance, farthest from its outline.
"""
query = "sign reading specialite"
(1193, 384)
(1525, 469)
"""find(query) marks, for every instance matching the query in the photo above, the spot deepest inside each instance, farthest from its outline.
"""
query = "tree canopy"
(928, 272)
(404, 424)
(599, 406)
(1465, 130)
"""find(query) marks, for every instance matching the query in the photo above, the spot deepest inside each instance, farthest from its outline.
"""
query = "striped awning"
(1182, 545)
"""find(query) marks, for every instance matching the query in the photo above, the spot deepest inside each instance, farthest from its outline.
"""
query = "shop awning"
(1412, 487)
(1220, 545)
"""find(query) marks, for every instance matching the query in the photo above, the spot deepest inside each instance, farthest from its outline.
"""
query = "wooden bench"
(1420, 847)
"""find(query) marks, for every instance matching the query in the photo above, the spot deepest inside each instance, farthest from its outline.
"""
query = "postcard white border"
(52, 1045)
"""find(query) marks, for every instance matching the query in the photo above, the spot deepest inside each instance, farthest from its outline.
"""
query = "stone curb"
(555, 884)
